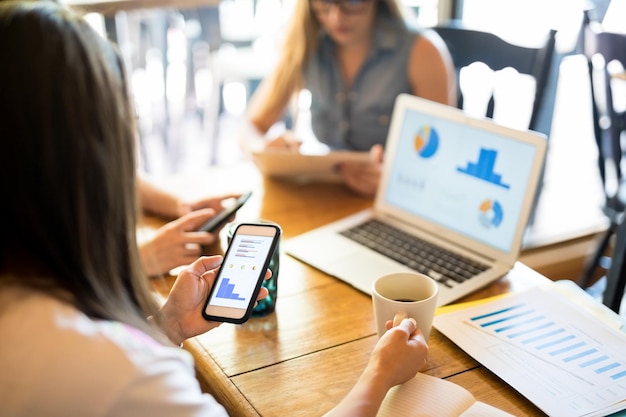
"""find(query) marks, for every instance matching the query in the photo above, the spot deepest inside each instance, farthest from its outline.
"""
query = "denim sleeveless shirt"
(358, 117)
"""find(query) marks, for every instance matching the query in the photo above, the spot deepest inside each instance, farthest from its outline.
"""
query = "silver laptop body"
(466, 185)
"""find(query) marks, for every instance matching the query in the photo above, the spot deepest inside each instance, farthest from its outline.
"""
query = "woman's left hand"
(215, 203)
(181, 315)
(363, 178)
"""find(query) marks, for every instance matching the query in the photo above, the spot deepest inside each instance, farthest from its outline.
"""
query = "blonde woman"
(355, 57)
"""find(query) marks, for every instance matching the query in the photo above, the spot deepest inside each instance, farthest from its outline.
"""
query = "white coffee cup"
(405, 294)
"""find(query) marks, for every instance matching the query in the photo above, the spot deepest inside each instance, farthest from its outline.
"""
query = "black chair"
(616, 274)
(468, 46)
(601, 48)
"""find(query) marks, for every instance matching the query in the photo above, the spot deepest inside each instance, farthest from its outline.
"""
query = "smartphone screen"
(222, 217)
(239, 279)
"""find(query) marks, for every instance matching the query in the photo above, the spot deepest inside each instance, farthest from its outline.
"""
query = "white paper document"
(556, 354)
(426, 395)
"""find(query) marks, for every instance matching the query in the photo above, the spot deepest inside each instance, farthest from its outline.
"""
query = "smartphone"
(214, 223)
(241, 275)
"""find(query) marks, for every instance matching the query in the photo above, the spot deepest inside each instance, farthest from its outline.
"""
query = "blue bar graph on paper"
(528, 326)
(226, 291)
(607, 367)
(555, 342)
(619, 375)
(580, 355)
(532, 331)
(567, 348)
(483, 168)
(554, 346)
(593, 361)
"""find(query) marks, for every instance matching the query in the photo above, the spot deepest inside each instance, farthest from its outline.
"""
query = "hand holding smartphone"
(239, 279)
(214, 223)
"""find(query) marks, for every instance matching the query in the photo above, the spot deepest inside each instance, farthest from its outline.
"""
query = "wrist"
(251, 138)
(367, 395)
(378, 380)
(170, 329)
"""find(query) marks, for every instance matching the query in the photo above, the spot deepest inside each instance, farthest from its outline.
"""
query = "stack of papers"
(565, 360)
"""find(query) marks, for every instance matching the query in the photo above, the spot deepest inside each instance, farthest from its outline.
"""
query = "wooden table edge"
(214, 381)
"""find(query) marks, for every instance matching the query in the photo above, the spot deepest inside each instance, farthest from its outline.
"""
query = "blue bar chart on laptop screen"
(468, 179)
(484, 168)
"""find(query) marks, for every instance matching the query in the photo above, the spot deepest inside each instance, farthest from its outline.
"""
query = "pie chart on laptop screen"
(491, 213)
(426, 141)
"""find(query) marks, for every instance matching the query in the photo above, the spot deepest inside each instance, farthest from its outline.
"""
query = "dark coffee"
(404, 300)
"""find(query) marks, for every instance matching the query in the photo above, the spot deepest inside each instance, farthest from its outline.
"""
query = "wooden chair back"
(468, 46)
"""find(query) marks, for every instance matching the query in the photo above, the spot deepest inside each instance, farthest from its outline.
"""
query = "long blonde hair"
(300, 42)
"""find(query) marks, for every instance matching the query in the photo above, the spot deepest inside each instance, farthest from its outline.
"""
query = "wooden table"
(302, 359)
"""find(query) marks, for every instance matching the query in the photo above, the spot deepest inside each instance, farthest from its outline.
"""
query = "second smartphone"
(241, 275)
(223, 216)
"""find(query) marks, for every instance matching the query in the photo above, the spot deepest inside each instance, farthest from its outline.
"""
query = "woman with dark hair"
(82, 334)
(355, 57)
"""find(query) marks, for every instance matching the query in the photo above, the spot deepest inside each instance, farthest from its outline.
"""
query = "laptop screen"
(460, 176)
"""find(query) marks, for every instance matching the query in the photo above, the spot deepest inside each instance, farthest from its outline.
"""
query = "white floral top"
(55, 361)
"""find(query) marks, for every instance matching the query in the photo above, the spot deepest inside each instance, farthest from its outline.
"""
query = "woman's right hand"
(286, 141)
(397, 357)
(181, 314)
(399, 354)
(176, 243)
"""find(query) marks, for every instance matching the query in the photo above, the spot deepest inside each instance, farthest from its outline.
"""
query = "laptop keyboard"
(442, 265)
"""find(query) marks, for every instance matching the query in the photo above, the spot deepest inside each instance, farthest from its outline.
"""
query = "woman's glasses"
(346, 6)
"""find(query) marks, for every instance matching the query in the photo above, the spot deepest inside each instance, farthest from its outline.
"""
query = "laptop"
(458, 185)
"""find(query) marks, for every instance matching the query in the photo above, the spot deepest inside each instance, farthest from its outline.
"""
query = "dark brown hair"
(69, 209)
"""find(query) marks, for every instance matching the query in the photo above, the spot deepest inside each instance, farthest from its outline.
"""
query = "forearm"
(251, 138)
(158, 201)
(364, 399)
